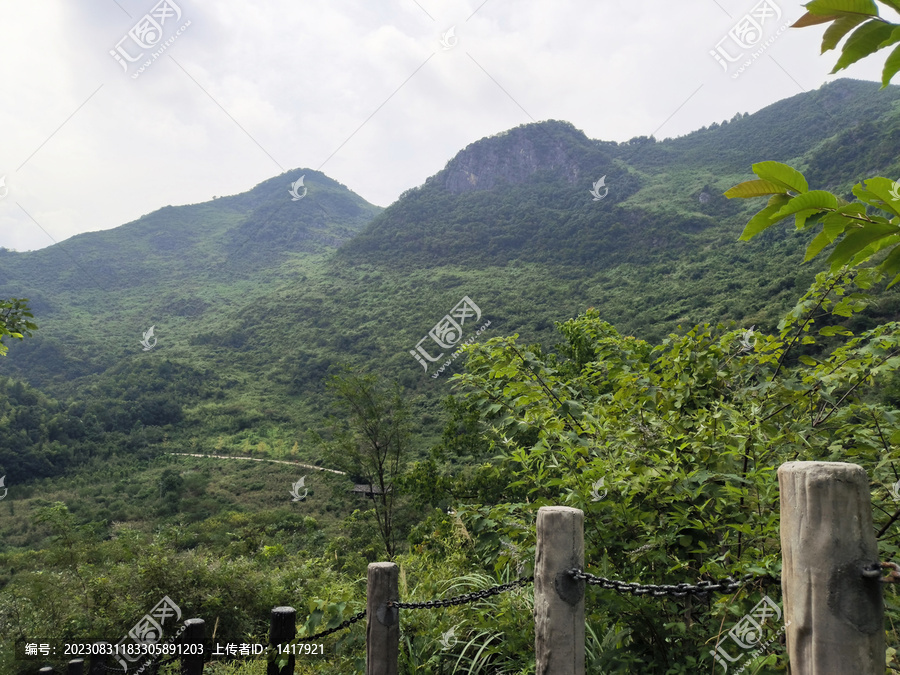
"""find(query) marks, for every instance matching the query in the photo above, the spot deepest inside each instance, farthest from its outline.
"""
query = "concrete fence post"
(834, 616)
(382, 622)
(558, 598)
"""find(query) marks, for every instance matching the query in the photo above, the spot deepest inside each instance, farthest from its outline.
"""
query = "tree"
(685, 436)
(860, 229)
(372, 443)
(15, 321)
(870, 32)
(671, 450)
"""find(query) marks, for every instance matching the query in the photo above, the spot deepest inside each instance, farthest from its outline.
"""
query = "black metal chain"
(462, 599)
(164, 662)
(702, 588)
(346, 624)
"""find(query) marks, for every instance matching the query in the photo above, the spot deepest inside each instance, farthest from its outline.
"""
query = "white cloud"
(308, 83)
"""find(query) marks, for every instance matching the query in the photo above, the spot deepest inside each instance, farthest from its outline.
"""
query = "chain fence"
(346, 624)
(700, 589)
(462, 599)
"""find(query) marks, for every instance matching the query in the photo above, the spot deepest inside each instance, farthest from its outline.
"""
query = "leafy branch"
(870, 32)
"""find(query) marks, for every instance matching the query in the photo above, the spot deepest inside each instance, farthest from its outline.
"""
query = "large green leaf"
(832, 226)
(835, 6)
(810, 19)
(815, 200)
(880, 192)
(875, 247)
(754, 188)
(891, 66)
(856, 241)
(836, 31)
(894, 37)
(863, 41)
(891, 265)
(764, 218)
(781, 174)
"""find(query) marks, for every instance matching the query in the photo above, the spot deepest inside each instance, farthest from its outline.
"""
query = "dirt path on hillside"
(256, 459)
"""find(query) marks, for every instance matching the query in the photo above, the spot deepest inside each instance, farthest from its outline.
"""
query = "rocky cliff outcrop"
(515, 156)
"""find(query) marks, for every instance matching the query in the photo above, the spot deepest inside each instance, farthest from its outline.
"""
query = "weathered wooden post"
(558, 598)
(282, 628)
(834, 616)
(382, 622)
(75, 667)
(194, 632)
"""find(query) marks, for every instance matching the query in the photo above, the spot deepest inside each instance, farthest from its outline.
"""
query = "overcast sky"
(378, 94)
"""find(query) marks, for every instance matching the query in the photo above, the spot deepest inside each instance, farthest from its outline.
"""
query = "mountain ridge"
(259, 297)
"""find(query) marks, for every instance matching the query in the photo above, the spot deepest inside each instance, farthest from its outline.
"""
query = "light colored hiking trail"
(257, 459)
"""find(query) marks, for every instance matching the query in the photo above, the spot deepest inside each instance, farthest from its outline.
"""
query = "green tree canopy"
(15, 321)
(371, 442)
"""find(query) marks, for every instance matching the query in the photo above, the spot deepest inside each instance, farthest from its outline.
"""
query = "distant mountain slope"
(261, 226)
(255, 298)
(95, 294)
(524, 194)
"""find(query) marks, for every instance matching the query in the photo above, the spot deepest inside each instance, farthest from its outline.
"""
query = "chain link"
(873, 571)
(462, 599)
(703, 588)
(346, 624)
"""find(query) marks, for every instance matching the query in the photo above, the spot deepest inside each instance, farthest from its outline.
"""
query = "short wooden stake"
(382, 622)
(75, 667)
(558, 598)
(833, 615)
(282, 628)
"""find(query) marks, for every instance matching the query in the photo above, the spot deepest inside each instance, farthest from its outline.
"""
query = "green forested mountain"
(255, 299)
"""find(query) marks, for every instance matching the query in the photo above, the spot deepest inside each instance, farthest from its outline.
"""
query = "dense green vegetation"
(257, 301)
